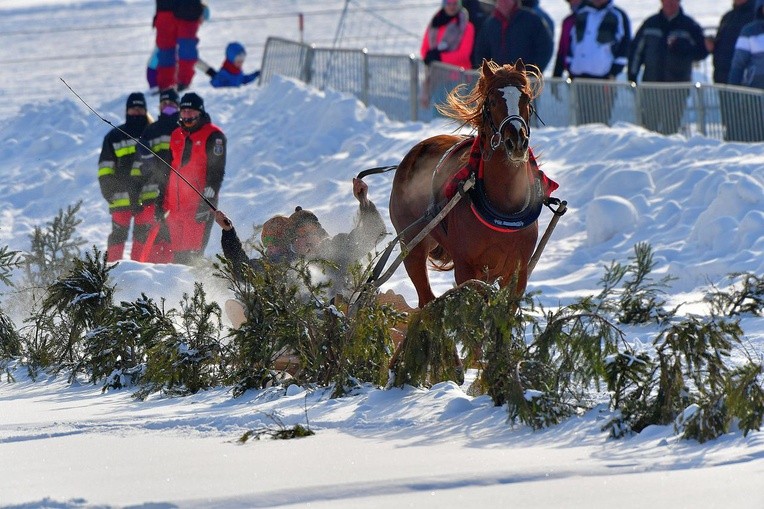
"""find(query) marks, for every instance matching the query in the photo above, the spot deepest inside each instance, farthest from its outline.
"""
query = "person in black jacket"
(513, 33)
(151, 169)
(666, 45)
(723, 47)
(535, 7)
(476, 12)
(118, 188)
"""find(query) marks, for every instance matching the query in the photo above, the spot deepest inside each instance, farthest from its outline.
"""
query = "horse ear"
(520, 65)
(486, 69)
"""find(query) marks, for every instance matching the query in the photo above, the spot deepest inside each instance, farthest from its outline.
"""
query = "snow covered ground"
(698, 202)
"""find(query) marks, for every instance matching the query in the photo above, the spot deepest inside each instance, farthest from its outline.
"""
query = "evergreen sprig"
(53, 248)
(9, 260)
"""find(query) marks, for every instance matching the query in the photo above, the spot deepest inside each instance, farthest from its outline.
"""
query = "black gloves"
(432, 55)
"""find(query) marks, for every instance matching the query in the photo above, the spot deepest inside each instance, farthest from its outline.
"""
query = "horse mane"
(466, 106)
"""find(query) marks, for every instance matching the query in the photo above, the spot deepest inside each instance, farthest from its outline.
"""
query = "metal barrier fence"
(388, 82)
(405, 89)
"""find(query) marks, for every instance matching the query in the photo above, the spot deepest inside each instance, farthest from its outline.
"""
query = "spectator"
(598, 50)
(198, 154)
(535, 7)
(564, 46)
(476, 12)
(166, 42)
(666, 45)
(747, 69)
(117, 187)
(230, 73)
(305, 236)
(723, 47)
(449, 38)
(512, 33)
(151, 169)
(176, 23)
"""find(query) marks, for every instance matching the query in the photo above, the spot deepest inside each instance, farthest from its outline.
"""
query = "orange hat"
(275, 232)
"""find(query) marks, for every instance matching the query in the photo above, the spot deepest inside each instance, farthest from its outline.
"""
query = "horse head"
(507, 93)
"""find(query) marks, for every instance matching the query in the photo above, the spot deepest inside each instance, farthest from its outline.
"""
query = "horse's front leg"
(416, 267)
(464, 272)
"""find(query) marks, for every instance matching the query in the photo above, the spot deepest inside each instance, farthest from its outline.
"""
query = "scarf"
(230, 67)
(452, 36)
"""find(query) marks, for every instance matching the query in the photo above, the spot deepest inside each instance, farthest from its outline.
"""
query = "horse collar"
(539, 190)
(508, 223)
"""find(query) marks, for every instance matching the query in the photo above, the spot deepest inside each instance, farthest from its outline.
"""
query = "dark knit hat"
(168, 95)
(136, 100)
(301, 217)
(192, 101)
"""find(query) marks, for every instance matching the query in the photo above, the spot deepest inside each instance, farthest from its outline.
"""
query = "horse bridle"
(513, 115)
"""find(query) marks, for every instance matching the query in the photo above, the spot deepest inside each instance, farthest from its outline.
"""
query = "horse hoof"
(459, 375)
(390, 379)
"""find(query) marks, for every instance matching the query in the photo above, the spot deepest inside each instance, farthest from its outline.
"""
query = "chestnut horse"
(499, 109)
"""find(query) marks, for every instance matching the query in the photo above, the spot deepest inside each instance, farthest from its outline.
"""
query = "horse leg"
(463, 272)
(416, 267)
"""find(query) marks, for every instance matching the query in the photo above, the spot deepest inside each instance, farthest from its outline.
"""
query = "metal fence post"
(637, 104)
(365, 84)
(573, 103)
(414, 87)
(700, 105)
(306, 74)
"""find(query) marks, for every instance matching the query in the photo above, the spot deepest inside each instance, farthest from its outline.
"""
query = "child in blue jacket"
(230, 74)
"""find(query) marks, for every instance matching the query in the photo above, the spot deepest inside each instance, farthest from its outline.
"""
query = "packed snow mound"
(607, 216)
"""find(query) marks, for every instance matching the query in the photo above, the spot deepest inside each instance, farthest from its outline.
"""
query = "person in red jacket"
(449, 38)
(198, 153)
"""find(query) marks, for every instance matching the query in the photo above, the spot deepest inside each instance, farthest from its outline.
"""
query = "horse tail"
(440, 259)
